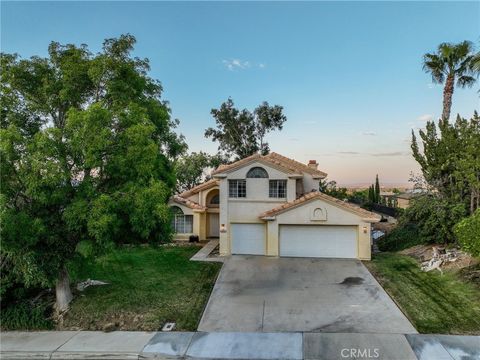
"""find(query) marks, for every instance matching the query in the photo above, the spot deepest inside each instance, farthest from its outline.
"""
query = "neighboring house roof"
(188, 203)
(204, 186)
(409, 195)
(387, 193)
(321, 196)
(288, 165)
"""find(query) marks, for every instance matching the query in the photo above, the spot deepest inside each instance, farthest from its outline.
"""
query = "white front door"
(213, 225)
(318, 241)
(248, 239)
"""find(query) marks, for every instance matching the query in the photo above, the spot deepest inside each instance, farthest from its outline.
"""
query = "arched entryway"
(213, 213)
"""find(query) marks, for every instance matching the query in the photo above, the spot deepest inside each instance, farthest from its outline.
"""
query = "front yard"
(434, 303)
(148, 286)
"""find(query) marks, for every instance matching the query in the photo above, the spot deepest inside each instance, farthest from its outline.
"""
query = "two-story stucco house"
(270, 205)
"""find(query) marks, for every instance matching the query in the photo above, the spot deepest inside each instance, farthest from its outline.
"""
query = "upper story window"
(257, 172)
(237, 188)
(277, 188)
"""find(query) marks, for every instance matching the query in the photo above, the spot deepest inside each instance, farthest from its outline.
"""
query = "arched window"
(181, 223)
(257, 172)
(175, 210)
(215, 200)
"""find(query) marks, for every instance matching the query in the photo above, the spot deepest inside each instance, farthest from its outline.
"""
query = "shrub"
(402, 237)
(26, 316)
(435, 218)
(467, 232)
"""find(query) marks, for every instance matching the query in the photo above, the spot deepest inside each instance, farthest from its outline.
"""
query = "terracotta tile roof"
(286, 164)
(252, 158)
(297, 166)
(365, 214)
(203, 186)
(188, 203)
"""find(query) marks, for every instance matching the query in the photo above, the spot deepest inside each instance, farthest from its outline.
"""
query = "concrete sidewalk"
(234, 345)
(204, 253)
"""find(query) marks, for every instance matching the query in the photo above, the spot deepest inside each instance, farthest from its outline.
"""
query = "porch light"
(364, 229)
(223, 228)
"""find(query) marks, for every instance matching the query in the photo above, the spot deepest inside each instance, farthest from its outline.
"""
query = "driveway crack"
(263, 313)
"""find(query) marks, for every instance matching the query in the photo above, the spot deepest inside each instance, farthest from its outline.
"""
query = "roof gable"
(316, 195)
(188, 203)
(203, 186)
(287, 165)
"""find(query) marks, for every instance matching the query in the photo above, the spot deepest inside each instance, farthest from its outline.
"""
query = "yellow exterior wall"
(199, 218)
(364, 242)
(272, 238)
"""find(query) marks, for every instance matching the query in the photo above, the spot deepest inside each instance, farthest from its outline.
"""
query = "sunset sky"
(348, 74)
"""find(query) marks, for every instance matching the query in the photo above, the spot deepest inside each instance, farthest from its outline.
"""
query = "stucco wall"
(247, 210)
(303, 215)
(257, 201)
(186, 210)
(309, 183)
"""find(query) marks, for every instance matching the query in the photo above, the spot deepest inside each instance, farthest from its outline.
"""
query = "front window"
(278, 189)
(181, 223)
(237, 188)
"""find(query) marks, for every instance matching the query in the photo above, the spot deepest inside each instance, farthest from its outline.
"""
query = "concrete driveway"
(262, 294)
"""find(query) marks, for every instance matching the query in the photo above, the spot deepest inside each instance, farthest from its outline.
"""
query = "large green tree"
(192, 169)
(88, 149)
(241, 133)
(450, 65)
(449, 158)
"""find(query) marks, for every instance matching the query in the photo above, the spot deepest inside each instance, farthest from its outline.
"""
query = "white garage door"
(248, 239)
(318, 241)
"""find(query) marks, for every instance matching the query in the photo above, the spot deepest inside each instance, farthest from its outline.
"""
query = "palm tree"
(451, 62)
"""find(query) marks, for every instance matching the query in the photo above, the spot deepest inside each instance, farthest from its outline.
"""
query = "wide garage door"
(248, 239)
(318, 241)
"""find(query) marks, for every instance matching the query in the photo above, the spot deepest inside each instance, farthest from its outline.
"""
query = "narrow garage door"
(248, 239)
(318, 241)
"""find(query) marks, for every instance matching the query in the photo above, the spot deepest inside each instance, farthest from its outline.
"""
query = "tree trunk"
(63, 291)
(447, 96)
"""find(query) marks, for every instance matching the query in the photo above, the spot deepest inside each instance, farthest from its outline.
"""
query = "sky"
(348, 74)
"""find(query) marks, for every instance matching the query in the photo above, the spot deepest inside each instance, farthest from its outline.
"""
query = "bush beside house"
(467, 232)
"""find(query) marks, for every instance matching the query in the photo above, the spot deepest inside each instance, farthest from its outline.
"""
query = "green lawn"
(434, 303)
(148, 286)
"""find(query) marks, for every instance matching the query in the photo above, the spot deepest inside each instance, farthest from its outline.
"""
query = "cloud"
(369, 133)
(425, 117)
(349, 152)
(294, 139)
(395, 153)
(237, 64)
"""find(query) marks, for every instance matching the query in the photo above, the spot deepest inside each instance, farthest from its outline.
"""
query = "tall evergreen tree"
(371, 194)
(377, 190)
(450, 160)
